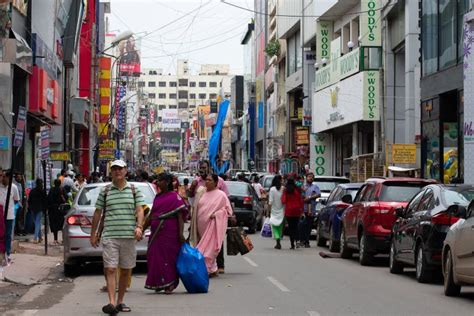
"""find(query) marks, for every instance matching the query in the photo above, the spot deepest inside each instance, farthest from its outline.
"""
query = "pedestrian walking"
(198, 187)
(19, 181)
(80, 181)
(293, 202)
(14, 198)
(277, 212)
(167, 218)
(38, 203)
(3, 259)
(310, 192)
(209, 222)
(56, 197)
(120, 209)
(261, 193)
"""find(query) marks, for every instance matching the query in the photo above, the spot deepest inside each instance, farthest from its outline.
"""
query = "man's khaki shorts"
(119, 252)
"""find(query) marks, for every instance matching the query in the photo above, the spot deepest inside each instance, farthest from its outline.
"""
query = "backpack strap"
(134, 192)
(106, 192)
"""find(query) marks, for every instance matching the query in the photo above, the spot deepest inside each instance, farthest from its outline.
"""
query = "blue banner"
(260, 115)
(216, 139)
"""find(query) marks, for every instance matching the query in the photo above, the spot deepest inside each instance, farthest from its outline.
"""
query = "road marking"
(313, 313)
(251, 262)
(280, 286)
(27, 312)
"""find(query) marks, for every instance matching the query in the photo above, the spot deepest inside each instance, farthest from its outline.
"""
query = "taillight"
(248, 200)
(444, 219)
(78, 220)
(379, 210)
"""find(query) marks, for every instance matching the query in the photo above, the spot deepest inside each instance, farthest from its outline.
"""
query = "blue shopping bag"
(192, 269)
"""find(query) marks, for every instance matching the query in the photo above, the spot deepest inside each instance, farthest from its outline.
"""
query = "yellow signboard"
(106, 149)
(404, 153)
(60, 155)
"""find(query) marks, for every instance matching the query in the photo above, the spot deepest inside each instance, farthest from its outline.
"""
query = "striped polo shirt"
(120, 221)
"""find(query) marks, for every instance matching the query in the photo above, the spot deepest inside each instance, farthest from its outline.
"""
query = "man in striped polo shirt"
(123, 227)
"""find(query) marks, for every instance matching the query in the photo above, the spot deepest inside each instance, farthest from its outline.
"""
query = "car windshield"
(326, 186)
(352, 192)
(468, 194)
(399, 192)
(181, 179)
(268, 182)
(238, 188)
(454, 197)
(89, 194)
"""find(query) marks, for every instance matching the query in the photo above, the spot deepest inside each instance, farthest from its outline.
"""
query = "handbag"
(266, 228)
(232, 243)
(247, 241)
(236, 236)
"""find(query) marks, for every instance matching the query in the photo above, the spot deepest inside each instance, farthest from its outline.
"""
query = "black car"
(419, 232)
(329, 217)
(248, 208)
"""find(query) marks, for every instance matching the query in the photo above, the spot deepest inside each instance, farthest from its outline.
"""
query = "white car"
(458, 252)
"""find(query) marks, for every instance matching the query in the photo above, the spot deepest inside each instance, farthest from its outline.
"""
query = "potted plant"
(273, 48)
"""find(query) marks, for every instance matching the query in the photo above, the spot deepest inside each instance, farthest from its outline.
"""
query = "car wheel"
(344, 251)
(333, 243)
(423, 274)
(71, 270)
(365, 258)
(450, 288)
(320, 240)
(395, 266)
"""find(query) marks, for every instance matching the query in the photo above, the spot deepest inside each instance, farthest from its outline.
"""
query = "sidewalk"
(29, 264)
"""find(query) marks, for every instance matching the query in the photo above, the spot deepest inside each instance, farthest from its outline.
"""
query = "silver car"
(458, 251)
(78, 224)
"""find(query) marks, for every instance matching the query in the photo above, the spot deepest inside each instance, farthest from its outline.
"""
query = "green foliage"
(273, 48)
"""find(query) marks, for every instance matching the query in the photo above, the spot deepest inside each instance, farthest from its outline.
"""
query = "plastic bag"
(266, 229)
(192, 269)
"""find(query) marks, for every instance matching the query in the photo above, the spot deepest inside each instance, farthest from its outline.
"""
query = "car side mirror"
(347, 199)
(323, 201)
(400, 212)
(457, 210)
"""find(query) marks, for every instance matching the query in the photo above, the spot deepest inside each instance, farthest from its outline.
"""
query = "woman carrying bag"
(293, 202)
(277, 212)
(56, 198)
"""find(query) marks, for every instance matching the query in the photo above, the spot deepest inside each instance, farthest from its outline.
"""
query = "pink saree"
(212, 231)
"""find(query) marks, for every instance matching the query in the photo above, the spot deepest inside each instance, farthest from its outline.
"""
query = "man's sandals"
(113, 310)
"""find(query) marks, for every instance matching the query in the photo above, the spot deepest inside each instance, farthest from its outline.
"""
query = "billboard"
(170, 119)
(170, 140)
(129, 54)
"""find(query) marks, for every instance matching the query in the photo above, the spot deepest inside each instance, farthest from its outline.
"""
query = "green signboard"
(371, 93)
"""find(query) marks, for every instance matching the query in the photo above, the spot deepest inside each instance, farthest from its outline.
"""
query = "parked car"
(78, 224)
(367, 224)
(232, 173)
(421, 227)
(329, 218)
(266, 181)
(248, 208)
(458, 252)
(326, 184)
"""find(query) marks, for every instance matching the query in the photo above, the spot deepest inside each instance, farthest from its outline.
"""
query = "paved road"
(271, 282)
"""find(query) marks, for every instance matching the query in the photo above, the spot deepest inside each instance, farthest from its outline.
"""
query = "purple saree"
(164, 244)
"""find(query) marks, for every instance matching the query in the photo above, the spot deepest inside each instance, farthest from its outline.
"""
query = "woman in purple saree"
(167, 222)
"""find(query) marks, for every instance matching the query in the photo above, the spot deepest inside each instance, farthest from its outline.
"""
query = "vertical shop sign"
(370, 23)
(320, 154)
(371, 91)
(44, 139)
(324, 30)
(20, 127)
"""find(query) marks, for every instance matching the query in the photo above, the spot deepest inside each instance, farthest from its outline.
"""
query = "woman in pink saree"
(210, 221)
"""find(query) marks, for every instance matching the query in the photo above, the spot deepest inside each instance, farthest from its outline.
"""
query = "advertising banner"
(320, 154)
(20, 127)
(370, 23)
(170, 140)
(403, 153)
(170, 119)
(346, 66)
(324, 30)
(107, 150)
(60, 155)
(44, 135)
(104, 90)
(129, 58)
(371, 94)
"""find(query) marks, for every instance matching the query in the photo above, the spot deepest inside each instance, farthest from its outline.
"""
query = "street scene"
(236, 157)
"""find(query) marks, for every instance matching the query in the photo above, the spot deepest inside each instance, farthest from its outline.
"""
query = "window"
(192, 96)
(141, 84)
(162, 84)
(172, 83)
(182, 105)
(183, 82)
(213, 84)
(202, 84)
(293, 54)
(172, 95)
(202, 96)
(463, 7)
(162, 95)
(427, 202)
(192, 84)
(414, 204)
(399, 192)
(447, 33)
(429, 36)
(173, 106)
(162, 106)
(372, 59)
(183, 94)
(151, 84)
(333, 195)
(212, 96)
(151, 95)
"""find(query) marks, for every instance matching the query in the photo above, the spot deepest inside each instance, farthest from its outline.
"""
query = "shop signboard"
(324, 30)
(403, 154)
(60, 155)
(340, 67)
(20, 127)
(371, 94)
(170, 140)
(44, 138)
(129, 58)
(170, 119)
(370, 23)
(320, 154)
(107, 149)
(4, 143)
(302, 136)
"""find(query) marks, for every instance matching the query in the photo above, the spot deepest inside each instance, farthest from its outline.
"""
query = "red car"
(367, 224)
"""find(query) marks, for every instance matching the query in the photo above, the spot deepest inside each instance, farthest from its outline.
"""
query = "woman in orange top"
(293, 202)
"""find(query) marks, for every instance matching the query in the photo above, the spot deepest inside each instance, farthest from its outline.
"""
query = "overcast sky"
(207, 32)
